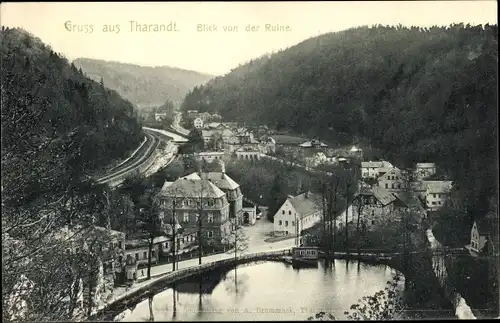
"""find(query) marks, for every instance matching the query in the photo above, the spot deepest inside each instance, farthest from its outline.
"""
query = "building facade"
(424, 170)
(298, 213)
(436, 194)
(199, 203)
(198, 123)
(375, 205)
(374, 169)
(232, 190)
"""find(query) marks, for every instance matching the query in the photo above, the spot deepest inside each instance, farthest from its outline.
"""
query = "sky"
(66, 27)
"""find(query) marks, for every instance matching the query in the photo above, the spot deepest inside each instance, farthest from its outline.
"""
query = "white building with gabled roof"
(298, 213)
(374, 169)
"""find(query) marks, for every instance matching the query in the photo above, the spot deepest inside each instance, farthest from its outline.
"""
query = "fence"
(193, 270)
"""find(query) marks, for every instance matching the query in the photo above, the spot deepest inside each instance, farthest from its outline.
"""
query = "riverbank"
(138, 291)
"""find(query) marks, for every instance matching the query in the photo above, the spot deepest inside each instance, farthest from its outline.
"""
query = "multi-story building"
(376, 206)
(248, 152)
(374, 169)
(228, 186)
(211, 156)
(198, 202)
(298, 213)
(436, 194)
(198, 123)
(424, 170)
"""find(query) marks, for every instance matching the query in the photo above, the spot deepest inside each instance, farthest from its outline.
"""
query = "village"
(204, 209)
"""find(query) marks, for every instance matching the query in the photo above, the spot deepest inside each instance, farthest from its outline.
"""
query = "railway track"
(133, 165)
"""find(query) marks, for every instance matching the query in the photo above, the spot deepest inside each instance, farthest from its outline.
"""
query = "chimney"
(223, 168)
(198, 166)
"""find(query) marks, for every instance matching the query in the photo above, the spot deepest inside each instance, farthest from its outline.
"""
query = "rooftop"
(376, 164)
(287, 140)
(426, 165)
(381, 194)
(411, 201)
(306, 204)
(313, 143)
(221, 180)
(85, 233)
(199, 188)
(438, 186)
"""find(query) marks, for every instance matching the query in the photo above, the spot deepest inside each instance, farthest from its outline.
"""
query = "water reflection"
(265, 291)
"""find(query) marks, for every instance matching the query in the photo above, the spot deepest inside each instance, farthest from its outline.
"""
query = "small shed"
(249, 212)
(309, 253)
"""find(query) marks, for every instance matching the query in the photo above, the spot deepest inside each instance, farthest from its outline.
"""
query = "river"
(264, 291)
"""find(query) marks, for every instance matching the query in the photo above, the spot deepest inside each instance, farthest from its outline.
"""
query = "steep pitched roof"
(384, 196)
(372, 164)
(221, 180)
(306, 204)
(287, 140)
(426, 165)
(438, 186)
(189, 176)
(411, 200)
(392, 171)
(214, 125)
(312, 143)
(192, 188)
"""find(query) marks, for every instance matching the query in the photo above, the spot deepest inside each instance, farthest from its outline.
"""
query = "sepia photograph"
(249, 161)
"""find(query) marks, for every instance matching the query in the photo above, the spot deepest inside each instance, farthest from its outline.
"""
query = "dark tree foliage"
(58, 127)
(416, 93)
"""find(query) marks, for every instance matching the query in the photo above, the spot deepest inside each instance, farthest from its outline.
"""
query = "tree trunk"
(150, 249)
(174, 234)
(324, 219)
(334, 215)
(357, 224)
(346, 219)
(199, 243)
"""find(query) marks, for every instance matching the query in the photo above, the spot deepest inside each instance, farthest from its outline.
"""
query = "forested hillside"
(143, 86)
(419, 94)
(58, 128)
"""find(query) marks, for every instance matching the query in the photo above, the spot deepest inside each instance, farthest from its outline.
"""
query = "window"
(186, 217)
(293, 223)
(392, 185)
(386, 185)
(210, 218)
(289, 212)
(283, 212)
(182, 240)
(434, 195)
(433, 203)
(211, 202)
(210, 234)
(280, 223)
(286, 223)
(153, 254)
(399, 185)
(373, 222)
(144, 254)
(136, 256)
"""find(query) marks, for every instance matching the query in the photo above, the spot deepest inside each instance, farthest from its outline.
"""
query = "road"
(175, 137)
(255, 234)
(176, 124)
